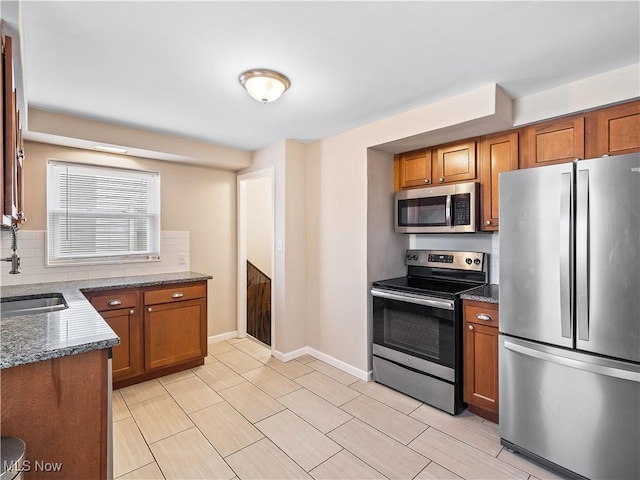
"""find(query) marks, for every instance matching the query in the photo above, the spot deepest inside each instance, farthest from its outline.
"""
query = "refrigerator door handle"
(566, 242)
(573, 363)
(582, 254)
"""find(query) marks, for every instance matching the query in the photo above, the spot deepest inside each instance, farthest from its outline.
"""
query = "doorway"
(256, 255)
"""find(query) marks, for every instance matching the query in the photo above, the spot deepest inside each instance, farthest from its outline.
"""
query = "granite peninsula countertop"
(486, 293)
(77, 329)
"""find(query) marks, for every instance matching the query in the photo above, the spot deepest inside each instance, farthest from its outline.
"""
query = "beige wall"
(288, 159)
(337, 205)
(195, 199)
(259, 223)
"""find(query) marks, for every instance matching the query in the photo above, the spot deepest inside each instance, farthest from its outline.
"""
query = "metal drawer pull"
(177, 295)
(484, 316)
(114, 303)
(149, 309)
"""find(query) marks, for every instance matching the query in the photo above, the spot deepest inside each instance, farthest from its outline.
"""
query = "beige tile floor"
(245, 415)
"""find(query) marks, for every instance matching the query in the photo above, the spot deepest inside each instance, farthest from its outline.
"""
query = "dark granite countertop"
(77, 329)
(486, 293)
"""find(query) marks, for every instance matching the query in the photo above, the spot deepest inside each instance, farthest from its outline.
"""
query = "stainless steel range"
(417, 325)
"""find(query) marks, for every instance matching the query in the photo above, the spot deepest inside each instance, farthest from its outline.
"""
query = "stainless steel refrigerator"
(569, 356)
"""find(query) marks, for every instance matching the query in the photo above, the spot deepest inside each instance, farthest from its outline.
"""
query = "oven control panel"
(473, 261)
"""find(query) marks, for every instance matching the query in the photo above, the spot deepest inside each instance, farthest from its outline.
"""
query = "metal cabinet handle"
(131, 312)
(149, 309)
(177, 295)
(441, 180)
(483, 316)
(470, 327)
(488, 222)
(426, 180)
(114, 303)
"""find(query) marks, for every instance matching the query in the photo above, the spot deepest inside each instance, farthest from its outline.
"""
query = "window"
(101, 215)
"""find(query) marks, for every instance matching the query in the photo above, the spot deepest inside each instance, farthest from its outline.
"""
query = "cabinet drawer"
(114, 301)
(175, 293)
(482, 313)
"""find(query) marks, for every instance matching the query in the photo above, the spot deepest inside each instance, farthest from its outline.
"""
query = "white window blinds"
(101, 215)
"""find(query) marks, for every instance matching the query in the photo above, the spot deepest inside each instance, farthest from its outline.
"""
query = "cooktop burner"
(421, 285)
(444, 274)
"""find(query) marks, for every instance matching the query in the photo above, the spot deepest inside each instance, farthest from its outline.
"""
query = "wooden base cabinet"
(481, 358)
(58, 407)
(121, 310)
(162, 329)
(175, 325)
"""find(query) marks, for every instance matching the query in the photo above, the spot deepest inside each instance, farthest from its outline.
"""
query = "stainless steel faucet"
(14, 259)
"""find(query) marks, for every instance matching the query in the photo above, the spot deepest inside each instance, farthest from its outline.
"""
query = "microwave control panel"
(461, 209)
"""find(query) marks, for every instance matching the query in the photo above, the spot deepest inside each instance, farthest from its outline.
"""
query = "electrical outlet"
(182, 259)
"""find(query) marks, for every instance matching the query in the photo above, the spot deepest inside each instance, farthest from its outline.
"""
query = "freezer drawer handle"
(426, 301)
(570, 362)
(484, 316)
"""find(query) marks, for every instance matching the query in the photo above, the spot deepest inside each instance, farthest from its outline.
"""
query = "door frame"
(242, 181)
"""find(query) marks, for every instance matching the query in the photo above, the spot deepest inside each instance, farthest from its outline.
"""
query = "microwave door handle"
(447, 209)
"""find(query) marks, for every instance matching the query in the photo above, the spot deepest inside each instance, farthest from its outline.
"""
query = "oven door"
(415, 331)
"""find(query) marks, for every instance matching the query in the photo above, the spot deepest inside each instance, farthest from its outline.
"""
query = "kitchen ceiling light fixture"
(106, 148)
(264, 85)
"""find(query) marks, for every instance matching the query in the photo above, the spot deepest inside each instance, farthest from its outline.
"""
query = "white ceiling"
(173, 67)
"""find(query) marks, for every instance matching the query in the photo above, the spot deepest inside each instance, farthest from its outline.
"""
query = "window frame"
(153, 232)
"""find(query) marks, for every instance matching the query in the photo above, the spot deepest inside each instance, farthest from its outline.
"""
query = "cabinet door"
(126, 356)
(174, 333)
(455, 163)
(415, 168)
(558, 141)
(481, 366)
(10, 207)
(499, 154)
(619, 129)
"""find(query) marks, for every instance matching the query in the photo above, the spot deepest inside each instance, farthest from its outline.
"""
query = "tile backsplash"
(31, 249)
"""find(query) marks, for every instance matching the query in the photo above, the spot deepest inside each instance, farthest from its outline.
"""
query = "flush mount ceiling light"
(264, 85)
(106, 148)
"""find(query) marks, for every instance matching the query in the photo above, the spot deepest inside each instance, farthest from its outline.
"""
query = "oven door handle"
(426, 301)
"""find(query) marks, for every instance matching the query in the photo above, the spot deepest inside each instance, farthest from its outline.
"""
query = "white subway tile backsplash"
(31, 248)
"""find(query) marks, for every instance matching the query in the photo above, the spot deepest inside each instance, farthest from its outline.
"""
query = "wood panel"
(59, 408)
(175, 293)
(174, 333)
(126, 356)
(481, 366)
(619, 129)
(550, 143)
(415, 168)
(455, 162)
(258, 304)
(481, 327)
(499, 153)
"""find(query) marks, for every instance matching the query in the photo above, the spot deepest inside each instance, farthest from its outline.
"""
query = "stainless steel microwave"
(442, 209)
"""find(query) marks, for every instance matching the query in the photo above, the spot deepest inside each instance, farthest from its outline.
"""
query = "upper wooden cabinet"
(415, 168)
(549, 143)
(455, 162)
(442, 164)
(12, 143)
(499, 153)
(619, 129)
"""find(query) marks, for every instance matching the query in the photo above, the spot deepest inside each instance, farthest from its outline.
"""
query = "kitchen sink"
(49, 302)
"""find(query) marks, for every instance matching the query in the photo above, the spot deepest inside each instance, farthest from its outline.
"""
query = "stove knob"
(415, 257)
(469, 261)
(477, 261)
(408, 257)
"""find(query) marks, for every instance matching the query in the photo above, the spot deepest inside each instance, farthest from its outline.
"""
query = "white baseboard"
(345, 367)
(285, 357)
(221, 336)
